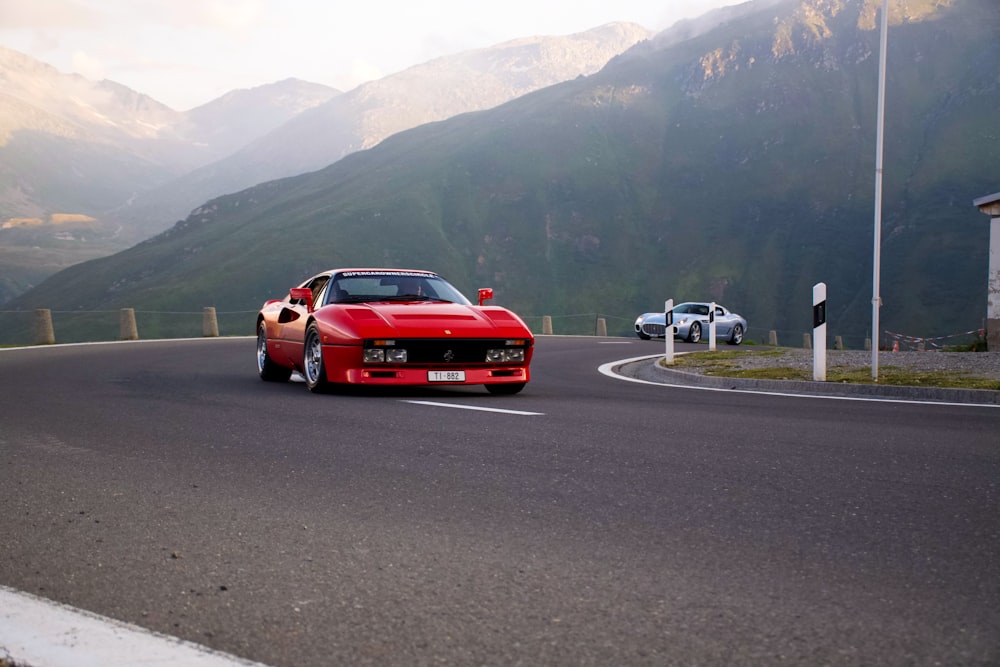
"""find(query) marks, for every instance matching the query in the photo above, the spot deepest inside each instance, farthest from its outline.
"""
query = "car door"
(295, 316)
(723, 322)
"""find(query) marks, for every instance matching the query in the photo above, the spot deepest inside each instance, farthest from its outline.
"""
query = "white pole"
(819, 332)
(711, 327)
(668, 334)
(877, 250)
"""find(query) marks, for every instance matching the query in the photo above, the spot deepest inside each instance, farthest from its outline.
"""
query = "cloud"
(88, 66)
(43, 14)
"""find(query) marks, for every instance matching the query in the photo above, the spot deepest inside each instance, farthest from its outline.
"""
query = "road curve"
(584, 521)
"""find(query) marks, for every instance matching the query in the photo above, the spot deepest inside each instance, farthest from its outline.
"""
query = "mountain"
(736, 164)
(361, 118)
(124, 167)
(74, 150)
(242, 116)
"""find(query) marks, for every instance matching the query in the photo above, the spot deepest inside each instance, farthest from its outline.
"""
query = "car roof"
(386, 270)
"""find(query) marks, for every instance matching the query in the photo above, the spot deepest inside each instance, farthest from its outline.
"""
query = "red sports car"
(391, 327)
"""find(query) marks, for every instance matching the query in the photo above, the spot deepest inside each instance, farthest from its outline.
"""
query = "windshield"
(366, 286)
(692, 308)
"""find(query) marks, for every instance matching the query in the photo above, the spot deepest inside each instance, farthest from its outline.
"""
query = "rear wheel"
(694, 334)
(266, 368)
(313, 368)
(505, 389)
(737, 336)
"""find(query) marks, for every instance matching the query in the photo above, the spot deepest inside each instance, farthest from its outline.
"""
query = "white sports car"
(691, 320)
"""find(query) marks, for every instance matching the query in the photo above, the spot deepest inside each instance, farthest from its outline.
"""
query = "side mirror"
(485, 293)
(302, 294)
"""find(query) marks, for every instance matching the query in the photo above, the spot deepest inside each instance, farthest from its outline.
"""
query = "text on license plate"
(446, 376)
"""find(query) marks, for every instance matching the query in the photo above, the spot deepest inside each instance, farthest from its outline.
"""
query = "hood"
(428, 319)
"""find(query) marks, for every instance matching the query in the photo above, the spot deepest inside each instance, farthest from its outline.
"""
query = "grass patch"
(890, 375)
(729, 364)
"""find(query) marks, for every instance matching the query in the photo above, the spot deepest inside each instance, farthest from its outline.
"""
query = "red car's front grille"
(447, 351)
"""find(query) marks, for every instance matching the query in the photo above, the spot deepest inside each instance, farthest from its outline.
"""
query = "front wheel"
(694, 334)
(641, 335)
(737, 336)
(266, 368)
(313, 368)
(505, 389)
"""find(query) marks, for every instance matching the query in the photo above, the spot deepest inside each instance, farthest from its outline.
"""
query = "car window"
(368, 286)
(317, 286)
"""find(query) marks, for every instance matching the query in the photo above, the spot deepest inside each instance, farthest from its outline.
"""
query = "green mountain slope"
(737, 166)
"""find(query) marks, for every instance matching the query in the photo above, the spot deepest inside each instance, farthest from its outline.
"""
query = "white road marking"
(474, 407)
(42, 633)
(608, 370)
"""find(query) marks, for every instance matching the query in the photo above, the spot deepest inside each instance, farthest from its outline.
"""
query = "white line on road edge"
(35, 632)
(474, 407)
(608, 370)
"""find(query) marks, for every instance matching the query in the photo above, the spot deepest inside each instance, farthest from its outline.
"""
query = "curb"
(650, 370)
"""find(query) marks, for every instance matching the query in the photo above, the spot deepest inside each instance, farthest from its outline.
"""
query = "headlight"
(505, 355)
(395, 355)
(392, 355)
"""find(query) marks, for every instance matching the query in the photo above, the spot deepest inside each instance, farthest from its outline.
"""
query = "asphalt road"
(164, 484)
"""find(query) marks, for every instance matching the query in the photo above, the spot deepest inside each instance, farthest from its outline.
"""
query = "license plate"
(446, 376)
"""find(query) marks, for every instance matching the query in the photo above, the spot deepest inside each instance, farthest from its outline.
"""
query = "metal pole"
(877, 251)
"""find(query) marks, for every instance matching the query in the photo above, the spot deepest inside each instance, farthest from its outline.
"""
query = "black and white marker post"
(668, 332)
(819, 332)
(711, 327)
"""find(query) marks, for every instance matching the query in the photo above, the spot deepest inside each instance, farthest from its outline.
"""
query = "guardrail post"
(807, 341)
(546, 325)
(44, 333)
(602, 327)
(126, 322)
(209, 322)
(772, 338)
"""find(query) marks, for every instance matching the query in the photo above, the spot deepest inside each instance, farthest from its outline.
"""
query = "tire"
(313, 368)
(737, 337)
(694, 333)
(266, 368)
(505, 389)
(641, 335)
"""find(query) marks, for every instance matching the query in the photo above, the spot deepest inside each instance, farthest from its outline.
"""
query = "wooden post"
(602, 327)
(547, 325)
(772, 338)
(807, 341)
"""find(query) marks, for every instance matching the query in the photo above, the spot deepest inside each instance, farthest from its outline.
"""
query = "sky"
(185, 53)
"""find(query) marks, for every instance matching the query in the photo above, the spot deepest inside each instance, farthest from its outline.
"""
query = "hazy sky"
(185, 53)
